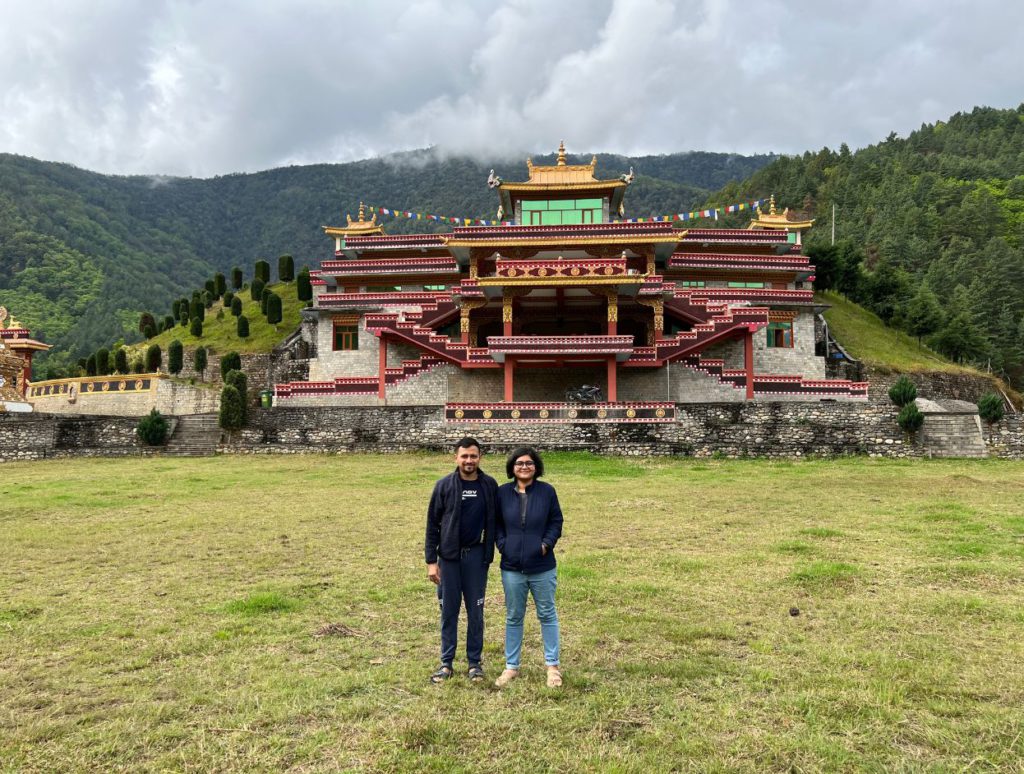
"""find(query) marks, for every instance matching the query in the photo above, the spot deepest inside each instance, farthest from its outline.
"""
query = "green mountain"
(929, 230)
(82, 254)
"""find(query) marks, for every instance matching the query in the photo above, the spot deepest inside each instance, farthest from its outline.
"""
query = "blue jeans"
(463, 581)
(542, 586)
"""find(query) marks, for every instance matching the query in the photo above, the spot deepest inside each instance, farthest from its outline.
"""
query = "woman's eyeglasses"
(528, 464)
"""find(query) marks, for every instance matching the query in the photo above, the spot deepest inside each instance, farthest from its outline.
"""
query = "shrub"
(196, 327)
(286, 268)
(303, 286)
(238, 380)
(90, 365)
(236, 278)
(168, 322)
(152, 429)
(243, 327)
(236, 306)
(176, 308)
(232, 361)
(274, 315)
(139, 365)
(903, 392)
(196, 310)
(910, 418)
(121, 361)
(256, 289)
(263, 302)
(153, 358)
(990, 407)
(211, 287)
(150, 331)
(208, 299)
(102, 361)
(229, 296)
(262, 271)
(231, 406)
(220, 284)
(220, 313)
(145, 321)
(175, 357)
(199, 361)
(183, 307)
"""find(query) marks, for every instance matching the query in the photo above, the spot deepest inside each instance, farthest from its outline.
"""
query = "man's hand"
(434, 573)
(543, 549)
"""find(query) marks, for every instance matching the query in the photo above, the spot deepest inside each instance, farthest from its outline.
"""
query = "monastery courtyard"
(273, 613)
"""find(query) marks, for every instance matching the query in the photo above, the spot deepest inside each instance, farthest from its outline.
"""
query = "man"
(459, 549)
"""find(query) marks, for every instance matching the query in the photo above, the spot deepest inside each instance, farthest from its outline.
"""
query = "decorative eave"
(774, 221)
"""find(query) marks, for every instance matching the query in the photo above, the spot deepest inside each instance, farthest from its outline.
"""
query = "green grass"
(867, 338)
(222, 336)
(272, 613)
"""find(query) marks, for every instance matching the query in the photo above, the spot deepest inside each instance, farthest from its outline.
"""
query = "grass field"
(164, 614)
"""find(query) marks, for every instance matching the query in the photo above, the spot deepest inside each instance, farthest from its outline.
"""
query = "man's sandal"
(443, 673)
(476, 674)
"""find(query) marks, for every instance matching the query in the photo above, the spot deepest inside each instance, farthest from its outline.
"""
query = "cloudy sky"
(203, 88)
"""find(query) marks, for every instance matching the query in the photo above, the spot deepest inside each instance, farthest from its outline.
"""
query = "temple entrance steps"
(358, 385)
(948, 434)
(195, 435)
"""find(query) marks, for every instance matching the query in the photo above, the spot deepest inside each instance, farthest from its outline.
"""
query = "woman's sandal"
(554, 677)
(476, 674)
(443, 673)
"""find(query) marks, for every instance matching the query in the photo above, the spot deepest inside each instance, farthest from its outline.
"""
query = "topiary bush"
(990, 407)
(903, 392)
(232, 361)
(199, 361)
(153, 358)
(152, 429)
(274, 312)
(262, 271)
(243, 327)
(236, 278)
(196, 327)
(220, 284)
(102, 361)
(175, 357)
(304, 286)
(196, 310)
(236, 306)
(229, 296)
(90, 365)
(286, 268)
(240, 382)
(231, 408)
(121, 360)
(139, 366)
(256, 289)
(910, 418)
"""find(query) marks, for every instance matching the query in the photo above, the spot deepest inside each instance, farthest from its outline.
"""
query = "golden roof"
(360, 227)
(561, 175)
(776, 221)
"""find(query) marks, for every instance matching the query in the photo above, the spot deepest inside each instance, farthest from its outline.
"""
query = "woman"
(529, 524)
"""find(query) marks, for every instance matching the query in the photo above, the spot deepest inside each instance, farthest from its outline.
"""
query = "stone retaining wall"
(770, 430)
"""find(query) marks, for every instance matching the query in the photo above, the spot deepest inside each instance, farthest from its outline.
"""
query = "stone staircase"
(195, 435)
(953, 435)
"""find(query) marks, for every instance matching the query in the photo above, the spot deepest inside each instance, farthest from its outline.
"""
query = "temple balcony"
(769, 296)
(547, 348)
(435, 269)
(795, 267)
(397, 298)
(561, 267)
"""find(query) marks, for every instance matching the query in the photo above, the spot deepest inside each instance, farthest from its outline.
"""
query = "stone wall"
(167, 396)
(932, 385)
(42, 436)
(798, 359)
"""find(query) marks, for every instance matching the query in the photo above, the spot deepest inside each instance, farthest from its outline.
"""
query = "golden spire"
(771, 205)
(561, 153)
(362, 213)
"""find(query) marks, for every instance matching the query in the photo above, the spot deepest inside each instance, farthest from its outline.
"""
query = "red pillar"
(26, 375)
(613, 387)
(509, 369)
(748, 363)
(382, 368)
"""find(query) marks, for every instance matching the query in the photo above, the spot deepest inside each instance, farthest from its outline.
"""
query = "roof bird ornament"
(628, 179)
(493, 181)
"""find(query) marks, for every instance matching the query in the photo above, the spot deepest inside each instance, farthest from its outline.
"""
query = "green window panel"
(551, 218)
(780, 334)
(562, 204)
(534, 206)
(746, 284)
(691, 283)
(572, 217)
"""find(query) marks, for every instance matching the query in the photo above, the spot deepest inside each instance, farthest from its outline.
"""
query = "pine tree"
(220, 284)
(146, 320)
(102, 361)
(196, 327)
(256, 289)
(242, 327)
(303, 286)
(121, 360)
(237, 279)
(153, 358)
(262, 271)
(924, 314)
(90, 365)
(236, 306)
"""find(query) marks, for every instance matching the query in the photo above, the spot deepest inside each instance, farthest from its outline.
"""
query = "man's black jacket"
(444, 514)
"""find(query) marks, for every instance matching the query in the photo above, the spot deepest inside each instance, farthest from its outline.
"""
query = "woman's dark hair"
(510, 463)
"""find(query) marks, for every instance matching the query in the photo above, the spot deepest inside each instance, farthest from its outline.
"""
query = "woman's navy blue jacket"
(520, 535)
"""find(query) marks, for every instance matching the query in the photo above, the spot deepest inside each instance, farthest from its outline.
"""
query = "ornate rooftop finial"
(561, 153)
(3, 315)
(771, 205)
(362, 213)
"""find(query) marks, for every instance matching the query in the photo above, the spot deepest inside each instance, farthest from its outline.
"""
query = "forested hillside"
(929, 230)
(81, 254)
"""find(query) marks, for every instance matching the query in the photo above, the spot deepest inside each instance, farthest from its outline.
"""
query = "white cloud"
(177, 87)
